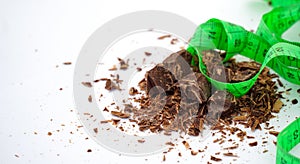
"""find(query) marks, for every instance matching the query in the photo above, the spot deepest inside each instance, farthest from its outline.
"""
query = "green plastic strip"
(286, 140)
(265, 47)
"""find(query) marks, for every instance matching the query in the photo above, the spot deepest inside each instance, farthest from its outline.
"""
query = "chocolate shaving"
(67, 63)
(120, 114)
(274, 133)
(215, 159)
(123, 65)
(87, 84)
(148, 53)
(229, 154)
(164, 36)
(253, 143)
(114, 68)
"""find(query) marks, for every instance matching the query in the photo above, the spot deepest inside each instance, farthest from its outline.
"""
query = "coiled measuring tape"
(266, 47)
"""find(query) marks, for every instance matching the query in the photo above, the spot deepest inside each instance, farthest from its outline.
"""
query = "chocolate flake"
(253, 143)
(87, 84)
(120, 114)
(90, 99)
(194, 152)
(133, 91)
(174, 41)
(113, 68)
(148, 53)
(123, 65)
(229, 154)
(141, 140)
(186, 144)
(274, 133)
(67, 63)
(164, 36)
(215, 159)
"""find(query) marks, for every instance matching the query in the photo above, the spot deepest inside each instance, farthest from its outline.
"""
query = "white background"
(36, 37)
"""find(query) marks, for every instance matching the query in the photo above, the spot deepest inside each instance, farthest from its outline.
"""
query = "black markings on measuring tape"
(281, 25)
(237, 42)
(211, 35)
(279, 49)
(290, 58)
(290, 75)
(265, 52)
(283, 161)
(296, 134)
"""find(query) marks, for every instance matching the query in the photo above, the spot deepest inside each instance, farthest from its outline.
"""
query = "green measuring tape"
(266, 46)
(286, 140)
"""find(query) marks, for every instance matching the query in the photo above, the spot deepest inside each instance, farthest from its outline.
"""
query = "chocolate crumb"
(105, 109)
(110, 85)
(89, 150)
(95, 130)
(174, 41)
(265, 151)
(141, 140)
(90, 99)
(17, 156)
(148, 53)
(139, 69)
(133, 91)
(164, 158)
(179, 154)
(49, 134)
(298, 90)
(194, 152)
(295, 101)
(274, 133)
(113, 68)
(253, 143)
(186, 144)
(123, 65)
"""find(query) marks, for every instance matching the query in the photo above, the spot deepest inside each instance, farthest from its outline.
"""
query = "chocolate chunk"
(159, 76)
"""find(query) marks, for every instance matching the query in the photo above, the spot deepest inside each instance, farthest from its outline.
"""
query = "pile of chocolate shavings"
(167, 104)
(188, 102)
